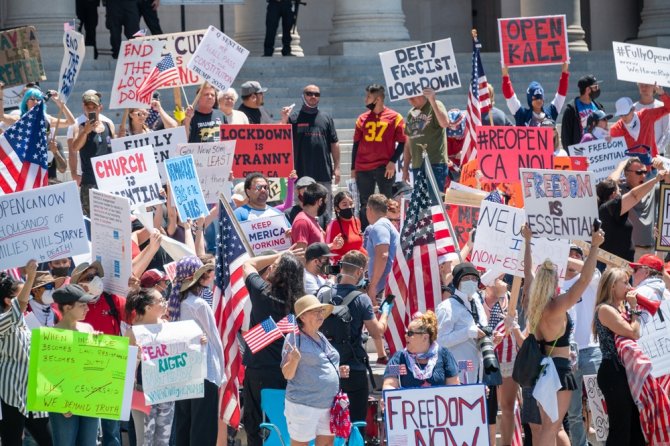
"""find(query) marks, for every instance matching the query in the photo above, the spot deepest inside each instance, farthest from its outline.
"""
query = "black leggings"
(624, 418)
(13, 422)
(356, 388)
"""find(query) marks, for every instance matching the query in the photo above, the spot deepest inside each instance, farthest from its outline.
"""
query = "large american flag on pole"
(162, 75)
(479, 103)
(23, 153)
(230, 295)
(415, 276)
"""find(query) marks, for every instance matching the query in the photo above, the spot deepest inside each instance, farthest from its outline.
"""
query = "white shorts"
(306, 423)
(506, 369)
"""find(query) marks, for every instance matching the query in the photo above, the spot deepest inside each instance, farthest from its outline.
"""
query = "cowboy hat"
(189, 282)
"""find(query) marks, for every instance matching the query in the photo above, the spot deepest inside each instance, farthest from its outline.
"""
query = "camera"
(333, 270)
(489, 358)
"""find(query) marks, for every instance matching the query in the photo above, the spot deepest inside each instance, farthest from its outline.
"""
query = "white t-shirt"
(582, 312)
(313, 282)
(82, 119)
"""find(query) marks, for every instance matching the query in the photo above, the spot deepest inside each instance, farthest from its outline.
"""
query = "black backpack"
(337, 326)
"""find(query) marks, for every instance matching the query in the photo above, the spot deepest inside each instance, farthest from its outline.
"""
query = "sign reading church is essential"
(528, 41)
(264, 148)
(407, 71)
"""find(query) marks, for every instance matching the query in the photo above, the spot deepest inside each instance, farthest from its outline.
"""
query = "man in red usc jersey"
(379, 140)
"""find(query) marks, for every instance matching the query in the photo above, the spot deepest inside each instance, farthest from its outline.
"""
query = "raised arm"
(633, 196)
(562, 91)
(512, 101)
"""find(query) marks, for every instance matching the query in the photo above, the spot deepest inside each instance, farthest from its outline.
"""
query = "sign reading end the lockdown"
(407, 71)
(528, 41)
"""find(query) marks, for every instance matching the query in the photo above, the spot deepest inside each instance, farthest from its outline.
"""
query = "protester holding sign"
(32, 97)
(227, 100)
(137, 120)
(662, 126)
(202, 122)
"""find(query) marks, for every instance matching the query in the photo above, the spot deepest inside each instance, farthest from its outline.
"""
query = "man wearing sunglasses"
(648, 278)
(257, 189)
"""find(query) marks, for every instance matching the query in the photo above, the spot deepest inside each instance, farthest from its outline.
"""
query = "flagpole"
(236, 224)
(433, 185)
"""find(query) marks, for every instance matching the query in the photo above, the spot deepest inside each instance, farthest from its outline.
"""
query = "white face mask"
(95, 286)
(47, 297)
(599, 132)
(468, 287)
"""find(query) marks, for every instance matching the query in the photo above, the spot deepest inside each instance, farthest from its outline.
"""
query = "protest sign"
(463, 219)
(502, 151)
(663, 239)
(185, 188)
(20, 59)
(13, 96)
(278, 189)
(73, 60)
(436, 415)
(599, 418)
(43, 224)
(173, 361)
(110, 239)
(528, 41)
(218, 59)
(213, 161)
(604, 156)
(641, 63)
(655, 339)
(559, 203)
(407, 71)
(164, 143)
(571, 163)
(132, 174)
(181, 46)
(267, 233)
(82, 373)
(264, 148)
(136, 60)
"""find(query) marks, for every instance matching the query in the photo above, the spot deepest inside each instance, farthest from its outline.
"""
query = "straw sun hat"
(310, 302)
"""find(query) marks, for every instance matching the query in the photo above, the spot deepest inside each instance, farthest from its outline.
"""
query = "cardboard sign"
(559, 204)
(173, 361)
(213, 161)
(264, 148)
(502, 151)
(663, 239)
(185, 188)
(641, 63)
(443, 415)
(463, 219)
(407, 71)
(43, 224)
(136, 60)
(132, 174)
(164, 143)
(13, 96)
(599, 418)
(604, 156)
(110, 239)
(181, 46)
(654, 339)
(267, 233)
(528, 41)
(73, 60)
(85, 374)
(20, 59)
(579, 163)
(278, 189)
(218, 59)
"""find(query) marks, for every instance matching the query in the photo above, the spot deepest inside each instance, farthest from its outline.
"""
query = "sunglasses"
(410, 333)
(262, 186)
(49, 286)
(638, 172)
(88, 278)
(316, 94)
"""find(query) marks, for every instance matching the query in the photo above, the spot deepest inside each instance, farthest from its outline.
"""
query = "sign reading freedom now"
(264, 148)
(527, 41)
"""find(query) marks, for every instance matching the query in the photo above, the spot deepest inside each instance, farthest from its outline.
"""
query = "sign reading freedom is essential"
(654, 339)
(218, 59)
(559, 203)
(185, 188)
(502, 151)
(43, 224)
(604, 156)
(267, 233)
(72, 62)
(81, 373)
(436, 415)
(407, 71)
(173, 361)
(641, 63)
(264, 148)
(20, 58)
(528, 41)
(181, 46)
(136, 60)
(599, 418)
(663, 239)
(213, 161)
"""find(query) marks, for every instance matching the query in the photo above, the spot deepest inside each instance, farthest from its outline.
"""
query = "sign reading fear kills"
(264, 148)
(527, 41)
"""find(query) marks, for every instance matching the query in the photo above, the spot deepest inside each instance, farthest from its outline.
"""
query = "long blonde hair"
(542, 290)
(605, 293)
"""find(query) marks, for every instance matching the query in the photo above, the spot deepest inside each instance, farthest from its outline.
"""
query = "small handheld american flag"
(396, 369)
(262, 335)
(288, 324)
(464, 367)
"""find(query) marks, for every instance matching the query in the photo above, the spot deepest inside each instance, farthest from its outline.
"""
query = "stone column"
(572, 13)
(296, 49)
(654, 29)
(47, 17)
(250, 28)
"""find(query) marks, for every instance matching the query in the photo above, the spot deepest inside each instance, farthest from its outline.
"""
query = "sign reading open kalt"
(528, 41)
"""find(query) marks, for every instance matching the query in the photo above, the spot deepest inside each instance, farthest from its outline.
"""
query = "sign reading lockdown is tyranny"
(559, 203)
(136, 60)
(407, 71)
(20, 58)
(264, 148)
(641, 63)
(528, 41)
(71, 64)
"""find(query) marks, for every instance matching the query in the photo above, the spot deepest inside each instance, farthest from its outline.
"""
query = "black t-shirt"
(313, 133)
(360, 310)
(619, 230)
(97, 144)
(205, 126)
(256, 115)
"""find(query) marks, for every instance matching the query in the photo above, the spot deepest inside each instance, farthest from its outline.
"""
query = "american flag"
(396, 369)
(479, 103)
(415, 276)
(262, 335)
(161, 76)
(141, 33)
(152, 119)
(23, 153)
(288, 324)
(230, 295)
(495, 196)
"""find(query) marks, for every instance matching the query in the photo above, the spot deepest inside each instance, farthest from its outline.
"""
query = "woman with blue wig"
(31, 97)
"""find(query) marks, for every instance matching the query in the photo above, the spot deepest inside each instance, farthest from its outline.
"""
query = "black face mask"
(60, 271)
(346, 213)
(371, 106)
(593, 94)
(322, 209)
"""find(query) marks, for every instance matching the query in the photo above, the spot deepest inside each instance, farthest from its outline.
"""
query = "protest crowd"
(207, 273)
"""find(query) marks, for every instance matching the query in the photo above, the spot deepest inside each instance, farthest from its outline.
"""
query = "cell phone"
(389, 299)
(156, 96)
(596, 224)
(91, 117)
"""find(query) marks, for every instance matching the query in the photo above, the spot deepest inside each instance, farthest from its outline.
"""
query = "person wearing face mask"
(345, 224)
(300, 186)
(577, 112)
(317, 260)
(596, 126)
(60, 270)
(306, 229)
(40, 312)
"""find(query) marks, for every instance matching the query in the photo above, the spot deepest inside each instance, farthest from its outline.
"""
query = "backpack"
(337, 326)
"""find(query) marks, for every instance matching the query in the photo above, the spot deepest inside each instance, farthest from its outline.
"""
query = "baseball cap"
(304, 182)
(596, 116)
(91, 96)
(650, 261)
(316, 250)
(623, 106)
(577, 249)
(151, 277)
(251, 87)
(586, 81)
(70, 294)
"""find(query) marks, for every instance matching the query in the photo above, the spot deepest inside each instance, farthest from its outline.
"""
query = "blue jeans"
(588, 364)
(111, 432)
(441, 173)
(73, 431)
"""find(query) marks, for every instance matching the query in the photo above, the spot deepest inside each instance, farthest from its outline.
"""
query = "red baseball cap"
(650, 261)
(151, 277)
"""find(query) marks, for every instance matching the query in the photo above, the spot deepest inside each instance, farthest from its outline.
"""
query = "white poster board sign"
(267, 233)
(185, 188)
(641, 63)
(599, 419)
(218, 59)
(559, 203)
(213, 161)
(110, 239)
(71, 65)
(407, 71)
(654, 339)
(181, 46)
(603, 156)
(136, 60)
(43, 224)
